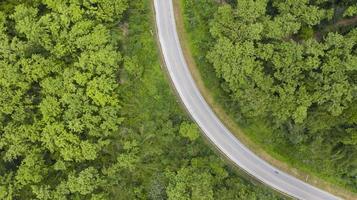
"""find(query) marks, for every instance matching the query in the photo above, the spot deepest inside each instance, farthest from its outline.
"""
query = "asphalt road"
(212, 127)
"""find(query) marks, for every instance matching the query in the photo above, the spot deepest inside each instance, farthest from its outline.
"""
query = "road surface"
(212, 127)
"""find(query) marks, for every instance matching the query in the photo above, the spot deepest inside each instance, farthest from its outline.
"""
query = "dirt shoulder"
(234, 127)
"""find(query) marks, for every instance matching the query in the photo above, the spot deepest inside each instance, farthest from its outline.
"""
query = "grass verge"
(152, 111)
(252, 136)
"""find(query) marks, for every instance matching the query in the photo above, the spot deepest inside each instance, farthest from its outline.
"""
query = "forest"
(286, 71)
(86, 111)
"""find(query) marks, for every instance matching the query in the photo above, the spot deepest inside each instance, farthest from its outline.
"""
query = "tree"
(189, 131)
(187, 184)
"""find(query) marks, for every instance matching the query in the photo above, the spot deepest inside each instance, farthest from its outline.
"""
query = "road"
(211, 126)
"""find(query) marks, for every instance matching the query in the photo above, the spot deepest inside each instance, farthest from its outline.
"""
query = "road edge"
(234, 127)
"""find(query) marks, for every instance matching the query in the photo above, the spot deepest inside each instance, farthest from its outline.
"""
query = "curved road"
(212, 127)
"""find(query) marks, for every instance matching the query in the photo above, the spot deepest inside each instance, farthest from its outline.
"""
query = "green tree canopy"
(279, 69)
(59, 97)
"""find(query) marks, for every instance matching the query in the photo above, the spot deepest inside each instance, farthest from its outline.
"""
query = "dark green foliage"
(173, 163)
(289, 67)
(306, 33)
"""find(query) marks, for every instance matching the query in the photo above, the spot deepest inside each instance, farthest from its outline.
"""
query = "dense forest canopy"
(86, 113)
(293, 65)
(59, 97)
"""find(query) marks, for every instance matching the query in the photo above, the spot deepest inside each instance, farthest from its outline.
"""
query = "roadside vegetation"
(87, 113)
(286, 73)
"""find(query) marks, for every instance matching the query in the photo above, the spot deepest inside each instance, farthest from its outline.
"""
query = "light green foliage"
(59, 102)
(197, 181)
(350, 11)
(84, 183)
(189, 184)
(132, 67)
(250, 11)
(189, 131)
(302, 11)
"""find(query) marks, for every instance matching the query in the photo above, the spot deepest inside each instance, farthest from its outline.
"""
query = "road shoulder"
(233, 126)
